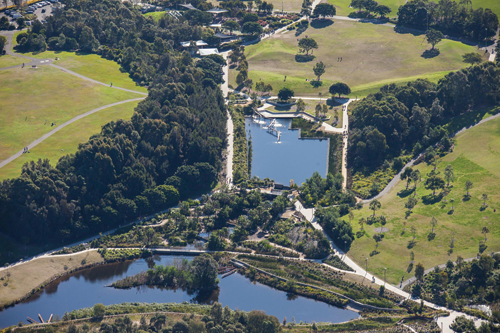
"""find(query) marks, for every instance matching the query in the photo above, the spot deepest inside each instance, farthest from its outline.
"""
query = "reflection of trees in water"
(291, 297)
(104, 272)
(207, 297)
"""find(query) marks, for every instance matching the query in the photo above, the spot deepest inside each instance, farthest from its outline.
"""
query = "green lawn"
(476, 157)
(66, 140)
(343, 9)
(372, 56)
(90, 65)
(7, 61)
(31, 97)
(155, 15)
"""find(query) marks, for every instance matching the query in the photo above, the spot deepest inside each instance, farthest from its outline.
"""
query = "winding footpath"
(44, 62)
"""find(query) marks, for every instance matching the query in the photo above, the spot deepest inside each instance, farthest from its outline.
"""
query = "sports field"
(372, 55)
(33, 99)
(476, 158)
(66, 140)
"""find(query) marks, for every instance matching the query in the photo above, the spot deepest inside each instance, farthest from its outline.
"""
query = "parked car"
(43, 10)
(7, 12)
(28, 23)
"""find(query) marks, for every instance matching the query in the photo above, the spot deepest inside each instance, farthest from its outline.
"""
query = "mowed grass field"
(66, 140)
(372, 56)
(476, 157)
(7, 61)
(90, 65)
(343, 9)
(25, 277)
(32, 99)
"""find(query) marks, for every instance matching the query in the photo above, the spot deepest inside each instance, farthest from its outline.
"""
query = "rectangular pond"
(290, 158)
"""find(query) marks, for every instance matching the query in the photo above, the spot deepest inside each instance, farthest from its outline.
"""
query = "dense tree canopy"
(170, 149)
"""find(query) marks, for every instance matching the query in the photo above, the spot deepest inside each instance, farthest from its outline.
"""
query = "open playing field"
(7, 61)
(373, 55)
(25, 277)
(476, 157)
(33, 99)
(66, 140)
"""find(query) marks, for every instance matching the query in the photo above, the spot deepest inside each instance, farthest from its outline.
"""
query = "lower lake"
(88, 287)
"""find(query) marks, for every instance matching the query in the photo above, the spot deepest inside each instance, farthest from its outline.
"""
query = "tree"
(319, 69)
(414, 232)
(205, 268)
(484, 231)
(361, 222)
(468, 186)
(3, 41)
(411, 203)
(419, 271)
(382, 10)
(216, 313)
(433, 223)
(339, 88)
(87, 40)
(307, 44)
(179, 327)
(374, 205)
(406, 174)
(449, 176)
(99, 310)
(285, 94)
(472, 58)
(21, 23)
(252, 28)
(434, 183)
(300, 105)
(231, 25)
(484, 197)
(317, 110)
(433, 37)
(415, 175)
(324, 9)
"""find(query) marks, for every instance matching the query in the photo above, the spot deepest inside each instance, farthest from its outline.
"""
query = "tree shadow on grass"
(300, 30)
(410, 267)
(411, 244)
(321, 23)
(406, 192)
(304, 57)
(431, 236)
(316, 84)
(429, 54)
(466, 197)
(431, 199)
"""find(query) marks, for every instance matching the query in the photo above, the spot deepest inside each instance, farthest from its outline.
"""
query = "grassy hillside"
(66, 140)
(371, 57)
(476, 158)
(33, 99)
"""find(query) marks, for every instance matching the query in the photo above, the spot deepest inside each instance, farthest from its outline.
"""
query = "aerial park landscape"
(249, 166)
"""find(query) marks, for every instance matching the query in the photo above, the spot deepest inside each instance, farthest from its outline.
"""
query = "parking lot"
(42, 10)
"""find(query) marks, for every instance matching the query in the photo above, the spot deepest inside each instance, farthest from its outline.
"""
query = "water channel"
(87, 287)
(290, 158)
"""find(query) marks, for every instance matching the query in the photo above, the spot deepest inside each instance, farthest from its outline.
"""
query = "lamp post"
(385, 273)
(366, 264)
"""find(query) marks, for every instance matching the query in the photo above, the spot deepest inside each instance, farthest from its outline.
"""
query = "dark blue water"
(86, 288)
(291, 158)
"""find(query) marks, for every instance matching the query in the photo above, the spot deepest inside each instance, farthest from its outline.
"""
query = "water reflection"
(88, 287)
(290, 158)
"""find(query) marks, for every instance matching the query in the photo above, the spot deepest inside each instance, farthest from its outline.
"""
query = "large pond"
(88, 287)
(290, 158)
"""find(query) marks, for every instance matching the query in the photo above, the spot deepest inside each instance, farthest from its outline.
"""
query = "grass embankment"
(66, 140)
(26, 277)
(318, 275)
(311, 109)
(7, 61)
(155, 15)
(92, 66)
(476, 157)
(33, 99)
(372, 56)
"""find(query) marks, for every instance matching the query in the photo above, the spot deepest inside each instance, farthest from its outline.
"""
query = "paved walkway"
(60, 127)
